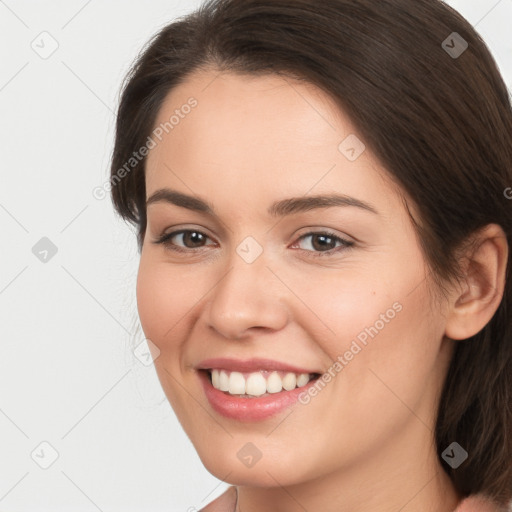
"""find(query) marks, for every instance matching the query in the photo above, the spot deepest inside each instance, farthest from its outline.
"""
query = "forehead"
(254, 107)
(258, 134)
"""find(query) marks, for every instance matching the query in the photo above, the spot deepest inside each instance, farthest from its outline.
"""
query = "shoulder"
(224, 503)
(479, 503)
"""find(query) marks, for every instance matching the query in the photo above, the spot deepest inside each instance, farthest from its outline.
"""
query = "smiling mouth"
(257, 384)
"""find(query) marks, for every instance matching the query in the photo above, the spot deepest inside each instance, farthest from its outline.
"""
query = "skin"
(365, 442)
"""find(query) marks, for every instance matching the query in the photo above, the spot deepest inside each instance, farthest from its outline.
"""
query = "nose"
(247, 298)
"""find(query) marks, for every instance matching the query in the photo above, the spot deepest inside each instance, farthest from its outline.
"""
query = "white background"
(67, 373)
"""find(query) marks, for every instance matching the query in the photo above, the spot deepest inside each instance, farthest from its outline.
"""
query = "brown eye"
(190, 239)
(324, 243)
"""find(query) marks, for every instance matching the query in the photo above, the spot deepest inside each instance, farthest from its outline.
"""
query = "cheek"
(381, 332)
(165, 297)
(344, 306)
(389, 350)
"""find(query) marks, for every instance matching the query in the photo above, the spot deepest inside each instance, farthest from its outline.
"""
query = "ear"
(473, 306)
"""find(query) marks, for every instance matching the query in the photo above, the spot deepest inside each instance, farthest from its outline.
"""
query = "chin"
(228, 466)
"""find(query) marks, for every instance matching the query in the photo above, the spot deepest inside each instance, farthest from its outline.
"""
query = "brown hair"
(441, 124)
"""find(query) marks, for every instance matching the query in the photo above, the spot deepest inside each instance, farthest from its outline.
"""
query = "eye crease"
(324, 237)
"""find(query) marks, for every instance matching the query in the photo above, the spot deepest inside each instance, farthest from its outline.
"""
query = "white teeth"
(302, 380)
(236, 384)
(223, 381)
(289, 381)
(215, 379)
(255, 383)
(274, 383)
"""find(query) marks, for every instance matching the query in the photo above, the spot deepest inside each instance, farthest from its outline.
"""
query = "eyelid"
(319, 230)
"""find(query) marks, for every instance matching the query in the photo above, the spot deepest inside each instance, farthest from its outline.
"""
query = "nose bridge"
(248, 295)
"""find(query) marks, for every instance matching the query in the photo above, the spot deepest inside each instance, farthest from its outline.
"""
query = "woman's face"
(271, 291)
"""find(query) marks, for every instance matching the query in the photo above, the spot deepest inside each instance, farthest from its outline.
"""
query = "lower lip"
(249, 409)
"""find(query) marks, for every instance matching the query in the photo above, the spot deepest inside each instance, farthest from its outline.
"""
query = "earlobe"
(473, 306)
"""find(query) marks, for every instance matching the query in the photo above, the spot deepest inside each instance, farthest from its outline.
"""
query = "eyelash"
(345, 244)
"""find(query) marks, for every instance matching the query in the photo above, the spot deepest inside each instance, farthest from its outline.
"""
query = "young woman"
(322, 197)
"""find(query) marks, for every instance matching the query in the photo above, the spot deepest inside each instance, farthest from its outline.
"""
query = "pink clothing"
(478, 503)
(473, 503)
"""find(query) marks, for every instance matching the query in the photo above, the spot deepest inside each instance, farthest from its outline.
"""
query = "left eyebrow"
(280, 208)
(303, 204)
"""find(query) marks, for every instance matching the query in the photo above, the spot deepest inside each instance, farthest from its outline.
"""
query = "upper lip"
(250, 365)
